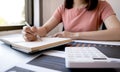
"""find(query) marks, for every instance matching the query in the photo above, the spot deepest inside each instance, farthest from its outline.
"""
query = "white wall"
(116, 6)
(49, 6)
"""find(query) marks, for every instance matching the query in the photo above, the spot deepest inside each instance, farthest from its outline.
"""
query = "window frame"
(29, 17)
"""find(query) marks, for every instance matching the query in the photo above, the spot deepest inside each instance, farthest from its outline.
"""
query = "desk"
(10, 58)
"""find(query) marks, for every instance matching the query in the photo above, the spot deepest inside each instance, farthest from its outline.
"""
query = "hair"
(92, 4)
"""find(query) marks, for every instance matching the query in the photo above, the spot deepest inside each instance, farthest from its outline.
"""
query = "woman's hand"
(65, 34)
(29, 33)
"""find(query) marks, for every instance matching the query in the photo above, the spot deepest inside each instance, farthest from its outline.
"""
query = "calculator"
(86, 57)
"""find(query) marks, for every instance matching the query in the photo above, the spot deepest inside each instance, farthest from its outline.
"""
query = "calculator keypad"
(84, 54)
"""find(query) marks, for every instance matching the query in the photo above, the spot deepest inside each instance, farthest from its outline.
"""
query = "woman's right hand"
(29, 33)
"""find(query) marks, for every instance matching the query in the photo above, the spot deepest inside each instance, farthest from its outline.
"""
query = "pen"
(26, 23)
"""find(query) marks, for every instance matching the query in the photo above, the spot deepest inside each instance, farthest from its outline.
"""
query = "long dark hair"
(92, 4)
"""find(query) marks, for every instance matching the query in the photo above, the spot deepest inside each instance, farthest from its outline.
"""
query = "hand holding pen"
(30, 33)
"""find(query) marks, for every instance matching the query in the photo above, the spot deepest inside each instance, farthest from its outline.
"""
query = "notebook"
(29, 47)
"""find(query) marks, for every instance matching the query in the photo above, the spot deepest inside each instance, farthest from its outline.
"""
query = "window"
(13, 14)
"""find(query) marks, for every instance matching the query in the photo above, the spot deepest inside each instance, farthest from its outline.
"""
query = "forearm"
(112, 34)
(42, 31)
(48, 26)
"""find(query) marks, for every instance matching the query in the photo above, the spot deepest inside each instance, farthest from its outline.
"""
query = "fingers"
(58, 35)
(29, 33)
(29, 38)
(64, 34)
(26, 29)
(30, 30)
(34, 29)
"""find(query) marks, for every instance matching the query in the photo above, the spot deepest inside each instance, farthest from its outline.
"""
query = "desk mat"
(112, 51)
(50, 62)
(18, 69)
(57, 63)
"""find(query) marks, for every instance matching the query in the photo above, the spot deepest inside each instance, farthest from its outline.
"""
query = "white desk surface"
(10, 58)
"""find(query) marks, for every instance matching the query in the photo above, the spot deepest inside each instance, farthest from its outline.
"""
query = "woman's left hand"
(64, 34)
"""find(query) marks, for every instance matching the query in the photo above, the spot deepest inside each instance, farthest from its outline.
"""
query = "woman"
(82, 20)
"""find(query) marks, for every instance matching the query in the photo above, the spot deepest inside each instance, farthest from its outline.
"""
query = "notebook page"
(42, 42)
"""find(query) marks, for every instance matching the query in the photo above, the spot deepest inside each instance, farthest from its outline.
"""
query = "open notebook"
(29, 47)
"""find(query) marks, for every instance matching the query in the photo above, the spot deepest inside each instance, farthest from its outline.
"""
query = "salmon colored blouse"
(81, 20)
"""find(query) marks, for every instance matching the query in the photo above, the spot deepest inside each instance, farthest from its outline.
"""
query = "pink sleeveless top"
(81, 20)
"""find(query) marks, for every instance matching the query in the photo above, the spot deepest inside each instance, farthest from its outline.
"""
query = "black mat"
(57, 63)
(18, 69)
(50, 62)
